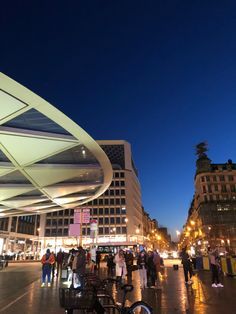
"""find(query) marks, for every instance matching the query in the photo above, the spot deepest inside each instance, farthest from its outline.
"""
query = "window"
(207, 178)
(118, 220)
(117, 201)
(60, 222)
(48, 222)
(100, 201)
(123, 201)
(223, 189)
(117, 192)
(95, 202)
(47, 232)
(66, 222)
(112, 202)
(118, 231)
(222, 178)
(122, 174)
(231, 178)
(100, 230)
(214, 178)
(67, 212)
(209, 189)
(112, 220)
(65, 232)
(111, 192)
(72, 211)
(100, 211)
(117, 211)
(216, 187)
(71, 221)
(83, 231)
(100, 221)
(204, 189)
(232, 188)
(203, 179)
(112, 183)
(106, 211)
(106, 230)
(117, 175)
(117, 183)
(122, 183)
(122, 192)
(112, 211)
(124, 230)
(95, 211)
(106, 193)
(106, 201)
(106, 221)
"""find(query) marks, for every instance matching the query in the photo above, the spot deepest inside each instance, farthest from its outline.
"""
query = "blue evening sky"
(159, 74)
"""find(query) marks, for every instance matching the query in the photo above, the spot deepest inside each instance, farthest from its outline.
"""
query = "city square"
(117, 157)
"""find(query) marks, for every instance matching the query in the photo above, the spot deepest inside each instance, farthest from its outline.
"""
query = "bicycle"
(96, 296)
(138, 307)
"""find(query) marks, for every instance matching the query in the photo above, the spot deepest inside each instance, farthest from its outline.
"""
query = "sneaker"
(220, 285)
(49, 284)
(43, 284)
(214, 285)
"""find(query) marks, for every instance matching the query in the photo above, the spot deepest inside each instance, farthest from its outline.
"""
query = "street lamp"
(38, 229)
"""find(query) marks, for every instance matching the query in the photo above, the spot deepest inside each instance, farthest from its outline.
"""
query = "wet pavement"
(20, 292)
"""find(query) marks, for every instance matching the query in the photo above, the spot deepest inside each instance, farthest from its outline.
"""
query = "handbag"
(64, 273)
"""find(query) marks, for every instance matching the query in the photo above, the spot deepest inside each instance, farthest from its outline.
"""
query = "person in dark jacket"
(59, 259)
(151, 270)
(187, 265)
(110, 264)
(142, 265)
(129, 260)
(79, 267)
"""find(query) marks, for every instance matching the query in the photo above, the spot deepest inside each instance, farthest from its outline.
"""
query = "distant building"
(212, 214)
(118, 211)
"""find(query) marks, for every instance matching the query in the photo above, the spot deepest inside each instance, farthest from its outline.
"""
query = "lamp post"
(126, 220)
(37, 253)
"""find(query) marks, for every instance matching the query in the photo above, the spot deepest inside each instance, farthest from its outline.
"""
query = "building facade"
(212, 214)
(118, 211)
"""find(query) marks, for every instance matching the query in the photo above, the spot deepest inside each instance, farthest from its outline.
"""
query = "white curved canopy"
(47, 162)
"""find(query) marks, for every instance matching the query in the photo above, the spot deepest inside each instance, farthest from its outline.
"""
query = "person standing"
(59, 259)
(129, 259)
(121, 270)
(187, 266)
(98, 260)
(151, 270)
(142, 265)
(110, 264)
(79, 268)
(47, 261)
(215, 266)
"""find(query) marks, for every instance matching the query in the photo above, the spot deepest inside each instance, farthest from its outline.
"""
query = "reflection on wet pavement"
(172, 296)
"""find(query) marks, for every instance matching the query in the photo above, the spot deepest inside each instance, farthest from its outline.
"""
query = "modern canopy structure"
(47, 162)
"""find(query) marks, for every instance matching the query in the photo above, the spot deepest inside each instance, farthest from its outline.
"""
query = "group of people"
(149, 264)
(50, 261)
(215, 267)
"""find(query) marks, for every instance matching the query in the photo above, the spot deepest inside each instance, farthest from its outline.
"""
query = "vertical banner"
(85, 215)
(77, 216)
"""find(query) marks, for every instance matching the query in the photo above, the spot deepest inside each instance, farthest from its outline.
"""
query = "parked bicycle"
(96, 297)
